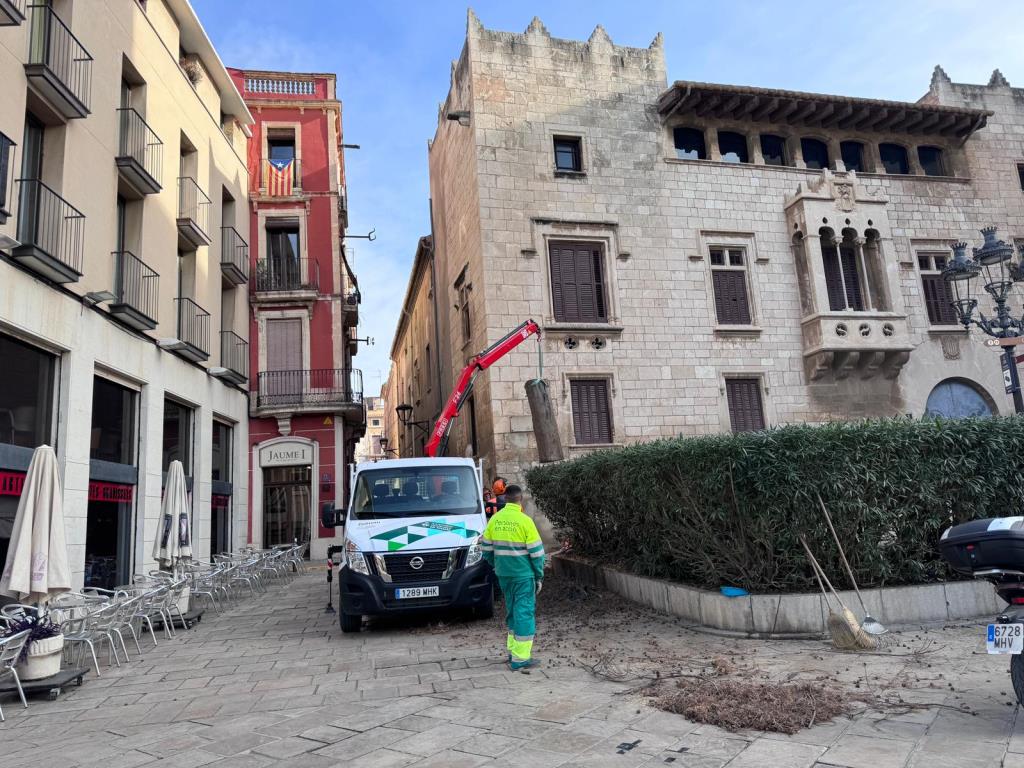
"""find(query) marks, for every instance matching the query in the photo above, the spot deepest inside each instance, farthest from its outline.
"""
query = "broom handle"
(819, 574)
(842, 554)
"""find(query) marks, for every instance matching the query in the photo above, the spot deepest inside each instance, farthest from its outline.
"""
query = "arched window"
(894, 158)
(690, 144)
(733, 147)
(853, 155)
(931, 161)
(815, 153)
(958, 399)
(773, 149)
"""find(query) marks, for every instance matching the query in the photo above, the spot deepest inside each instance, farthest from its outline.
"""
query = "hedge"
(728, 509)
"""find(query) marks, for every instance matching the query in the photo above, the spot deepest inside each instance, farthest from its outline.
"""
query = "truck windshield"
(415, 492)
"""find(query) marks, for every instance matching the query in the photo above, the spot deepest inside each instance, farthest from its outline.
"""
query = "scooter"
(993, 549)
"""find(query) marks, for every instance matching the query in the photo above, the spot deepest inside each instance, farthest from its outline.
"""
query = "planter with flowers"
(41, 655)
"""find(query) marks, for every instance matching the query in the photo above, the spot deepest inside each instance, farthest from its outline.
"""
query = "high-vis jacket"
(512, 545)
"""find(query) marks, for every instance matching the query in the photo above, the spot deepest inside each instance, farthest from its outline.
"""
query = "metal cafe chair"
(10, 650)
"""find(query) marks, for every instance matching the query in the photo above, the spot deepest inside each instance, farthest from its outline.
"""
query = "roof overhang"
(815, 110)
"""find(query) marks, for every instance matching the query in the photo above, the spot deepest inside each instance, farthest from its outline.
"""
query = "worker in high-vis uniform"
(513, 547)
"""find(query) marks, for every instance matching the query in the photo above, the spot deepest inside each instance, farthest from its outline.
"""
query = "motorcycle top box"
(984, 547)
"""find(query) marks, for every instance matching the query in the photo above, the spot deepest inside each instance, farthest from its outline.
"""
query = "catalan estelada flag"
(280, 177)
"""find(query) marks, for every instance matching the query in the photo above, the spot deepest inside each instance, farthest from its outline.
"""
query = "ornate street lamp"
(992, 262)
(404, 412)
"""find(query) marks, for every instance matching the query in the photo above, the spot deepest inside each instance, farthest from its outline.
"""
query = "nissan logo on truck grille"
(416, 563)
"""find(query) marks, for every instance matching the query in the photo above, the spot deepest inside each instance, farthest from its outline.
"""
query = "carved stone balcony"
(861, 344)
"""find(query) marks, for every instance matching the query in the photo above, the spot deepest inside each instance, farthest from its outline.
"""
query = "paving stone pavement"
(273, 682)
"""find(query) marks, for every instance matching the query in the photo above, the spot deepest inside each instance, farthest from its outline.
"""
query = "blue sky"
(393, 63)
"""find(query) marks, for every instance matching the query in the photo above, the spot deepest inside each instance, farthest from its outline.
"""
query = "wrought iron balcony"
(136, 291)
(193, 214)
(234, 355)
(51, 232)
(351, 302)
(59, 68)
(234, 256)
(285, 278)
(325, 389)
(193, 330)
(281, 182)
(12, 12)
(140, 155)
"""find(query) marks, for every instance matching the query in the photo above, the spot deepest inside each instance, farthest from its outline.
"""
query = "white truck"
(412, 540)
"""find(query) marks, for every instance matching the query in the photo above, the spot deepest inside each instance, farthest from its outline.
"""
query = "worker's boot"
(516, 666)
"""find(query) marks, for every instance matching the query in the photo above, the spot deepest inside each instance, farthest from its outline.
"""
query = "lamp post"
(992, 262)
(404, 412)
(383, 442)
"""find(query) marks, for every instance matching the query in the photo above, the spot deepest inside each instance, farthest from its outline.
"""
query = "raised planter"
(790, 615)
(43, 659)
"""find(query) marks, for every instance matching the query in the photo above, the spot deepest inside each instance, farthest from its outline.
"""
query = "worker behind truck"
(513, 547)
(494, 497)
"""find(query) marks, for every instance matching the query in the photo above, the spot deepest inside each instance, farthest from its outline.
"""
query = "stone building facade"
(123, 298)
(370, 448)
(705, 257)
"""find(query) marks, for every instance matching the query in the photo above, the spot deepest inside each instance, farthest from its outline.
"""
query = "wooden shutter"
(938, 300)
(577, 282)
(731, 305)
(851, 276)
(746, 411)
(833, 279)
(591, 411)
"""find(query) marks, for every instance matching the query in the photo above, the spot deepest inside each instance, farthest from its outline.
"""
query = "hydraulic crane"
(464, 385)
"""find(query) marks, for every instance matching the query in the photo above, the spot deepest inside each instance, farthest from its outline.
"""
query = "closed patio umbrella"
(37, 569)
(174, 536)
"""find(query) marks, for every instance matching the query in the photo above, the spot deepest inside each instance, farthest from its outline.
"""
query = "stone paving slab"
(273, 682)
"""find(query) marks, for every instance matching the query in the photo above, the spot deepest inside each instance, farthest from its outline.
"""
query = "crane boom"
(464, 384)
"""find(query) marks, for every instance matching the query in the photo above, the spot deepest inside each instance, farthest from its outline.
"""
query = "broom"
(846, 632)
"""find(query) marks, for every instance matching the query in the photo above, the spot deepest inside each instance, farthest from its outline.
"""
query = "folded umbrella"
(174, 535)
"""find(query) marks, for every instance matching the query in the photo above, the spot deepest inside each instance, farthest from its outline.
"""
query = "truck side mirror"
(330, 517)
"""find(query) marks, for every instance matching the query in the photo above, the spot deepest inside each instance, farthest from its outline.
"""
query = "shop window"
(894, 158)
(815, 153)
(733, 147)
(932, 161)
(177, 435)
(689, 144)
(568, 153)
(26, 394)
(577, 282)
(773, 149)
(746, 409)
(853, 155)
(591, 411)
(286, 505)
(221, 456)
(113, 422)
(729, 279)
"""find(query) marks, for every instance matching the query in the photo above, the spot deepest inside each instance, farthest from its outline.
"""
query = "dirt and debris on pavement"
(744, 684)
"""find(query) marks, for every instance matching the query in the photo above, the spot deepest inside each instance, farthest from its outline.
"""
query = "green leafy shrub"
(728, 509)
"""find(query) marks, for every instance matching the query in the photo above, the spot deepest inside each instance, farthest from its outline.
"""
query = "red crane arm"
(464, 385)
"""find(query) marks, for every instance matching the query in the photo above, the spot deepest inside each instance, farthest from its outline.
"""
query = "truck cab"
(412, 540)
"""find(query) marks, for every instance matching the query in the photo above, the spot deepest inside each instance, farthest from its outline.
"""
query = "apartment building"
(123, 293)
(306, 400)
(701, 257)
(371, 447)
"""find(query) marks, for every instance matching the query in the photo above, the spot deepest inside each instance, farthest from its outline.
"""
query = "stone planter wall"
(790, 615)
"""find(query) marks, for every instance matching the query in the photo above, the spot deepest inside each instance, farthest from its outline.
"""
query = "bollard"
(330, 578)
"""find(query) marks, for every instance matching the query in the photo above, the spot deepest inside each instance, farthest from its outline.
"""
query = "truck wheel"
(486, 609)
(1017, 676)
(350, 622)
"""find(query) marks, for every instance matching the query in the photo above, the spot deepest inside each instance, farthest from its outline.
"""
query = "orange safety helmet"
(499, 486)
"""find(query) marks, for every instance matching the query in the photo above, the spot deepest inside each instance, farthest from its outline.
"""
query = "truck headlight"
(356, 560)
(474, 555)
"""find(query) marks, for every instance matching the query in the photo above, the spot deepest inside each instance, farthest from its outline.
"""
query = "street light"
(992, 261)
(404, 412)
(383, 442)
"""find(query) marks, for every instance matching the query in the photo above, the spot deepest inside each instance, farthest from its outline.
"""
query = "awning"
(735, 102)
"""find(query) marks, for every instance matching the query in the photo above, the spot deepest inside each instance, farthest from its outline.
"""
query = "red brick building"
(306, 404)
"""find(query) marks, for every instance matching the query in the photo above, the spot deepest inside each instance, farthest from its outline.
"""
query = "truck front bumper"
(371, 595)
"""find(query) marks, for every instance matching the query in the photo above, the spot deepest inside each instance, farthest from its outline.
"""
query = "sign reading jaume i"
(286, 454)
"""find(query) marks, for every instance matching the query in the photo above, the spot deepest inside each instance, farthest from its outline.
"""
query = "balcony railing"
(12, 12)
(51, 232)
(58, 65)
(325, 387)
(283, 275)
(136, 291)
(234, 256)
(140, 153)
(281, 182)
(283, 87)
(193, 214)
(193, 329)
(234, 355)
